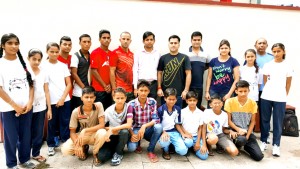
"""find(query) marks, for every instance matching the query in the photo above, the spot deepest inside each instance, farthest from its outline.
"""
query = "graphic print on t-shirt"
(17, 84)
(171, 70)
(221, 74)
(213, 126)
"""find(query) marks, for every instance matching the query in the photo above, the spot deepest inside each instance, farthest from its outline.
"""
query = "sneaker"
(51, 151)
(28, 164)
(276, 151)
(15, 167)
(56, 140)
(268, 139)
(116, 160)
(263, 146)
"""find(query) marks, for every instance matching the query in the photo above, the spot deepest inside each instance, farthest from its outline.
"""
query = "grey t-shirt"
(114, 118)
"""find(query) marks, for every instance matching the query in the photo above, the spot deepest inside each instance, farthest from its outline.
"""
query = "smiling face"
(66, 46)
(224, 50)
(250, 58)
(11, 47)
(196, 41)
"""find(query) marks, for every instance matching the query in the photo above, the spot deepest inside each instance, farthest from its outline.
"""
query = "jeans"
(250, 146)
(177, 141)
(75, 102)
(278, 110)
(116, 144)
(191, 142)
(178, 102)
(37, 130)
(152, 134)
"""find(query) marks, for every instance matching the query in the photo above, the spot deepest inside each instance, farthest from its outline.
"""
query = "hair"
(174, 37)
(103, 31)
(64, 38)
(225, 42)
(125, 32)
(84, 36)
(260, 39)
(147, 34)
(143, 83)
(34, 51)
(196, 33)
(281, 46)
(191, 94)
(52, 44)
(215, 97)
(4, 39)
(120, 90)
(87, 90)
(255, 63)
(242, 84)
(170, 92)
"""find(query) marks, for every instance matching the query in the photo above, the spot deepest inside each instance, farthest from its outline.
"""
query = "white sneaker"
(51, 151)
(268, 139)
(276, 151)
(263, 146)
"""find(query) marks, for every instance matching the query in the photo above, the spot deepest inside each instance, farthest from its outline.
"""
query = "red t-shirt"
(100, 61)
(68, 63)
(123, 62)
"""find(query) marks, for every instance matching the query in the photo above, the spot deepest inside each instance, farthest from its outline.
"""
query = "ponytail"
(1, 52)
(256, 66)
(28, 75)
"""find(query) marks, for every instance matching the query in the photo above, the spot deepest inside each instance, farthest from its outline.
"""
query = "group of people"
(110, 99)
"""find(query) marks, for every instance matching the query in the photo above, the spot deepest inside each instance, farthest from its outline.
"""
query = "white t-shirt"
(254, 79)
(215, 122)
(39, 101)
(275, 88)
(56, 73)
(14, 82)
(192, 120)
(114, 118)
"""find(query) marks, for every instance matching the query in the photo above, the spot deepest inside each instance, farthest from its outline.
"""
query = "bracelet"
(186, 91)
(158, 88)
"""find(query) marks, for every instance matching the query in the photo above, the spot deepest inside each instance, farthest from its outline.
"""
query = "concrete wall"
(39, 22)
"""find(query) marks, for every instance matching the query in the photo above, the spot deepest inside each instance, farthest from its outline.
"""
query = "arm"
(66, 92)
(265, 79)
(112, 76)
(208, 82)
(47, 94)
(234, 127)
(187, 83)
(288, 84)
(160, 93)
(236, 76)
(9, 100)
(98, 78)
(76, 78)
(179, 129)
(30, 101)
(251, 126)
(123, 126)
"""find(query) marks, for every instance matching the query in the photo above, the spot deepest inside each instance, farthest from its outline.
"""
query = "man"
(100, 69)
(121, 74)
(199, 63)
(80, 65)
(174, 71)
(145, 64)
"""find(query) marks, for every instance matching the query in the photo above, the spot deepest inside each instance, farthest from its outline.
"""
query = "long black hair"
(4, 39)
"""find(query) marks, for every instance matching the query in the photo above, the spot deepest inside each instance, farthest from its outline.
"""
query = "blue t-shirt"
(222, 74)
(169, 119)
(261, 60)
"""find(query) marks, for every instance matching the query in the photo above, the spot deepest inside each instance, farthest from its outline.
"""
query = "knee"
(131, 146)
(124, 132)
(232, 151)
(188, 142)
(181, 150)
(158, 128)
(212, 139)
(164, 144)
(258, 157)
(241, 141)
(101, 133)
(201, 156)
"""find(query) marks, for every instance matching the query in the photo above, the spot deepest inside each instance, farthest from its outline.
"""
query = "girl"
(223, 73)
(16, 92)
(250, 72)
(118, 134)
(40, 104)
(277, 79)
(59, 87)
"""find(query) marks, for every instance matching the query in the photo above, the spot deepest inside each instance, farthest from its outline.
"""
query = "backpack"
(290, 124)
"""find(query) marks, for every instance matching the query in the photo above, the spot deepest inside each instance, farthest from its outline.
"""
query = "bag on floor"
(290, 124)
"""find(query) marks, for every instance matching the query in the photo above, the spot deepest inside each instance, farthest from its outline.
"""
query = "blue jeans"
(220, 94)
(152, 134)
(278, 110)
(191, 142)
(37, 130)
(178, 102)
(177, 141)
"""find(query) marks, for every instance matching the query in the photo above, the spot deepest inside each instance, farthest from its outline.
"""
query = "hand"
(80, 138)
(49, 114)
(197, 146)
(233, 134)
(60, 102)
(107, 88)
(27, 108)
(227, 96)
(78, 150)
(108, 134)
(134, 138)
(207, 96)
(19, 110)
(141, 132)
(183, 94)
(242, 132)
(160, 93)
(135, 92)
(165, 137)
(187, 135)
(203, 149)
(247, 137)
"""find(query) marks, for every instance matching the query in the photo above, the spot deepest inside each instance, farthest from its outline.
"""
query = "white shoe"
(263, 146)
(276, 151)
(51, 151)
(268, 139)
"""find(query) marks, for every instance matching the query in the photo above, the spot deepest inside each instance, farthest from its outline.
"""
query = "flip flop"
(40, 159)
(97, 162)
(139, 150)
(152, 157)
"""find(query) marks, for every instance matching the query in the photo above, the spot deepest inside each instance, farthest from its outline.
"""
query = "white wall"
(39, 22)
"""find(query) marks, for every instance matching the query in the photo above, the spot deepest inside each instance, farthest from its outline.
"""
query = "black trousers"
(250, 146)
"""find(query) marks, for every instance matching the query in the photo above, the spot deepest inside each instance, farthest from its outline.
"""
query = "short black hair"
(191, 94)
(242, 84)
(170, 92)
(147, 34)
(84, 36)
(196, 33)
(143, 83)
(215, 97)
(64, 38)
(174, 37)
(120, 90)
(88, 90)
(103, 31)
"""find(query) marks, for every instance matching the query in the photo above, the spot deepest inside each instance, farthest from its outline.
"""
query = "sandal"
(97, 162)
(85, 151)
(166, 155)
(40, 159)
(220, 150)
(152, 157)
(138, 150)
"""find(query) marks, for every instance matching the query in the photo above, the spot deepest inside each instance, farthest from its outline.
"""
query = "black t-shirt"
(174, 67)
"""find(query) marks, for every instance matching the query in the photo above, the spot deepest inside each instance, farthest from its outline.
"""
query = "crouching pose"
(90, 116)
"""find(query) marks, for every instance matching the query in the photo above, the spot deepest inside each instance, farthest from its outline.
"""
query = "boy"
(241, 118)
(143, 111)
(215, 125)
(170, 117)
(192, 120)
(90, 116)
